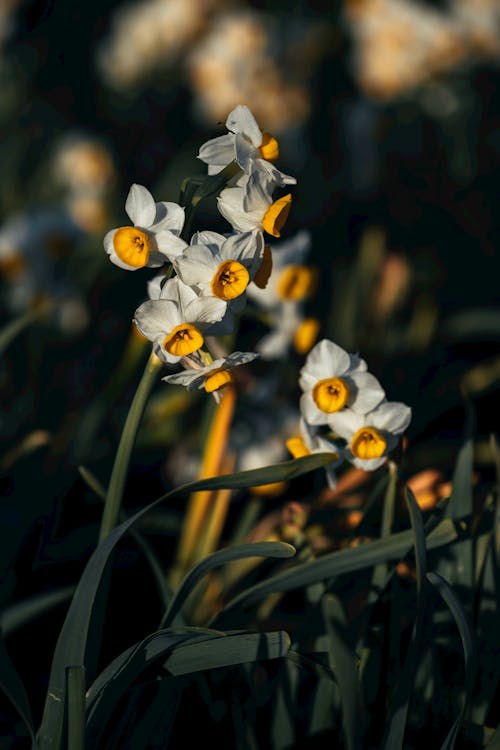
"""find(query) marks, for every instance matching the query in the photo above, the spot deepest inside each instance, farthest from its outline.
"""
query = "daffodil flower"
(333, 380)
(287, 278)
(308, 442)
(245, 144)
(154, 236)
(177, 321)
(370, 437)
(219, 266)
(288, 328)
(250, 206)
(213, 376)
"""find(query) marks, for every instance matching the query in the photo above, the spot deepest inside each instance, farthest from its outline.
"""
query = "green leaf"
(226, 651)
(24, 611)
(343, 664)
(11, 685)
(217, 559)
(72, 644)
(464, 629)
(75, 677)
(335, 564)
(398, 712)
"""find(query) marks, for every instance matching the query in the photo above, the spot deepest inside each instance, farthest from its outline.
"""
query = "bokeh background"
(388, 114)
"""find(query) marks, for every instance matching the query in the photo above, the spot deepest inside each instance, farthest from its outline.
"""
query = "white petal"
(218, 151)
(196, 264)
(245, 151)
(206, 237)
(326, 360)
(156, 317)
(242, 246)
(168, 215)
(169, 244)
(367, 464)
(392, 416)
(367, 392)
(310, 411)
(241, 120)
(279, 178)
(140, 206)
(258, 193)
(346, 423)
(154, 286)
(236, 215)
(205, 310)
(186, 377)
(156, 259)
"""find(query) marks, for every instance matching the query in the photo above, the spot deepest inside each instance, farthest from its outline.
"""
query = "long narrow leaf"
(22, 612)
(399, 710)
(464, 629)
(335, 564)
(75, 677)
(258, 549)
(11, 685)
(71, 646)
(342, 661)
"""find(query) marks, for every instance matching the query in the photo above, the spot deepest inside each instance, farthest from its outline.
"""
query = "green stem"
(114, 495)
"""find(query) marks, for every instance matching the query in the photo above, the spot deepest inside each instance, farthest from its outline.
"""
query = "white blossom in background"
(153, 239)
(333, 380)
(370, 437)
(178, 320)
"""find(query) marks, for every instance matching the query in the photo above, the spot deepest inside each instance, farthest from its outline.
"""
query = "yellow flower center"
(305, 335)
(297, 447)
(182, 340)
(276, 215)
(331, 395)
(368, 443)
(216, 379)
(269, 149)
(132, 246)
(230, 281)
(296, 283)
(262, 276)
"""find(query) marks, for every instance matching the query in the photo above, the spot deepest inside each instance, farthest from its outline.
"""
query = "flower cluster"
(339, 394)
(210, 277)
(213, 271)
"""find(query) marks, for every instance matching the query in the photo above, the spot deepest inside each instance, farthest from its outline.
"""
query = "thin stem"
(114, 496)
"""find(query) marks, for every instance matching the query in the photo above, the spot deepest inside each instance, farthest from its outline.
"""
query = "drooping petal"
(245, 151)
(140, 206)
(230, 205)
(366, 393)
(188, 378)
(241, 120)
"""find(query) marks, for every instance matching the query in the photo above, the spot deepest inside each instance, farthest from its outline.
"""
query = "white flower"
(219, 266)
(246, 145)
(213, 376)
(176, 321)
(333, 380)
(308, 442)
(370, 437)
(250, 206)
(153, 239)
(290, 280)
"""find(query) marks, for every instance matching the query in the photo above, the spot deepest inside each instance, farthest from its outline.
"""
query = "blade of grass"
(19, 614)
(465, 632)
